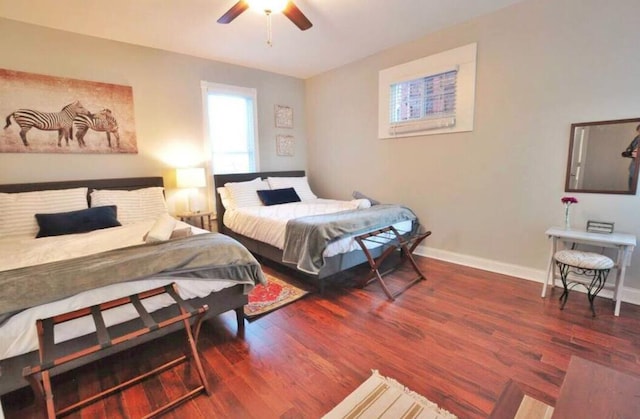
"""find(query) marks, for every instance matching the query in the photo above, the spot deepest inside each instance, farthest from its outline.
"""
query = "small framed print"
(284, 116)
(284, 145)
(599, 227)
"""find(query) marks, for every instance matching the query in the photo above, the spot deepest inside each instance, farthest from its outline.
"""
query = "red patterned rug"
(275, 294)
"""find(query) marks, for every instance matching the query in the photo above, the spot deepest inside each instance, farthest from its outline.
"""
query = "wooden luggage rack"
(39, 375)
(391, 240)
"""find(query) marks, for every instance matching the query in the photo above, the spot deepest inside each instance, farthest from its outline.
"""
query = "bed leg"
(240, 319)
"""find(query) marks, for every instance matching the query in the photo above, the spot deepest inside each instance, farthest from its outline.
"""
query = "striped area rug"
(383, 397)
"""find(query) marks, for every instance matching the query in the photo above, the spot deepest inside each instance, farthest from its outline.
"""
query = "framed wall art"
(46, 114)
(284, 116)
(285, 145)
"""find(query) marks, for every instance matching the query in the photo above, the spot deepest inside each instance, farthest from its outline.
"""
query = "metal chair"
(593, 265)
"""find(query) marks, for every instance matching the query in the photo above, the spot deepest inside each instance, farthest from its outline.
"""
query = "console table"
(623, 242)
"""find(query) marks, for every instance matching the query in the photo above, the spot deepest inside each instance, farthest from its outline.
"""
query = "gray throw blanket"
(306, 238)
(205, 256)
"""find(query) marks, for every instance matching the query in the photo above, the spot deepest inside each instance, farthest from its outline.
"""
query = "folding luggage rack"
(39, 375)
(390, 238)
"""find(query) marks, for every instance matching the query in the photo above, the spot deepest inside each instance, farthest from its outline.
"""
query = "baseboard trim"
(629, 295)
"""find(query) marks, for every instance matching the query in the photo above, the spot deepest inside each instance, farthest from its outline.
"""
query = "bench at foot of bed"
(50, 356)
(232, 298)
(391, 240)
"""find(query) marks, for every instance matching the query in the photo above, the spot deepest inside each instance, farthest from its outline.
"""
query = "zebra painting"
(47, 121)
(102, 121)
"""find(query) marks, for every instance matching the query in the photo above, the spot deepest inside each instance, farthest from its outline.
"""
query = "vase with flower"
(567, 201)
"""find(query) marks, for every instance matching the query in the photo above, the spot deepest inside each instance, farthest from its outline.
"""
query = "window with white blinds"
(424, 103)
(231, 120)
(430, 95)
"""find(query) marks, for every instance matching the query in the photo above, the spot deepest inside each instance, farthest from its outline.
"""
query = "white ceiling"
(343, 30)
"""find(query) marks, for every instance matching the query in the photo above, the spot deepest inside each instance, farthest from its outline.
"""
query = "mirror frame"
(567, 187)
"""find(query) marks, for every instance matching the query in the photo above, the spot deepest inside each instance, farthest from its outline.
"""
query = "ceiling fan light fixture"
(269, 6)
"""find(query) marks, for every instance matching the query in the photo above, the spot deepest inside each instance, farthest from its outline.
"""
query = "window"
(231, 120)
(423, 103)
(432, 95)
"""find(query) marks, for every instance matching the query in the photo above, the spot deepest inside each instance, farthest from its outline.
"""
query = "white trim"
(629, 295)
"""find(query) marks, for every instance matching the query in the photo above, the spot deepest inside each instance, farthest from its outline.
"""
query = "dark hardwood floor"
(457, 339)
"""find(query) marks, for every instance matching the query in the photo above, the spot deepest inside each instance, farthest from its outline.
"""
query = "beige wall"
(489, 195)
(167, 100)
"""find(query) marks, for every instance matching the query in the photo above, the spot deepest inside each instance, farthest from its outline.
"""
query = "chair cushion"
(584, 260)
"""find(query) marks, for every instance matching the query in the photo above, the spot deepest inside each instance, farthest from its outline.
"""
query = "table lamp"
(191, 178)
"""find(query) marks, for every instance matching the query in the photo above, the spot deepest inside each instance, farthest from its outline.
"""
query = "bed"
(271, 242)
(56, 273)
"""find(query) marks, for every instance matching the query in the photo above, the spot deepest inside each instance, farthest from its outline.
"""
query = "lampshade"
(193, 177)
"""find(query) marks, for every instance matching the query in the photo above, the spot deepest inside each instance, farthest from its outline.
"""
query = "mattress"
(18, 334)
(268, 223)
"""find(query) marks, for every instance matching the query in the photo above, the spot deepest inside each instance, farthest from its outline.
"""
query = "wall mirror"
(602, 157)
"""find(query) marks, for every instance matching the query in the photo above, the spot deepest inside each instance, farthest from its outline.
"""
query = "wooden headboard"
(119, 183)
(220, 180)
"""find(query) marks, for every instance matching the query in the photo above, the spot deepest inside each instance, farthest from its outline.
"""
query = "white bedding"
(18, 334)
(18, 252)
(268, 223)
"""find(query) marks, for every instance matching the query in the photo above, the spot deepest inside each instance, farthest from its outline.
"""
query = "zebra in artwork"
(47, 121)
(102, 121)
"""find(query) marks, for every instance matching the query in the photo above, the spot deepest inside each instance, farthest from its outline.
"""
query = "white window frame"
(210, 87)
(462, 60)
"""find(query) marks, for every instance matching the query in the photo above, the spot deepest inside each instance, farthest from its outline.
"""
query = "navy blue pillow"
(81, 221)
(278, 196)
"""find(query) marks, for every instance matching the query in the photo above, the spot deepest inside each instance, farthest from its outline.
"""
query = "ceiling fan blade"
(296, 16)
(234, 12)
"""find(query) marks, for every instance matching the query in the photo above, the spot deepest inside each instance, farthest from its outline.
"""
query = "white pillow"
(133, 206)
(362, 203)
(225, 198)
(245, 194)
(161, 230)
(300, 184)
(17, 210)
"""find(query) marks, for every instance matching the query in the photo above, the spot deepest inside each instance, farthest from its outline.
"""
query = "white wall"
(167, 103)
(489, 195)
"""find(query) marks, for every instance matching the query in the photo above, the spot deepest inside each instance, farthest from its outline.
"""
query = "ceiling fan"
(287, 8)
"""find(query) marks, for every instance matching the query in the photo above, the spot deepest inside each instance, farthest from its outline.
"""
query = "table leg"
(620, 260)
(617, 293)
(624, 258)
(551, 271)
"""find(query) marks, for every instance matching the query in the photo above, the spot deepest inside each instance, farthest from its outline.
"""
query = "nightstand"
(206, 219)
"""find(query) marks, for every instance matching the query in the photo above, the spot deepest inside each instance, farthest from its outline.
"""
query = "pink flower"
(568, 200)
